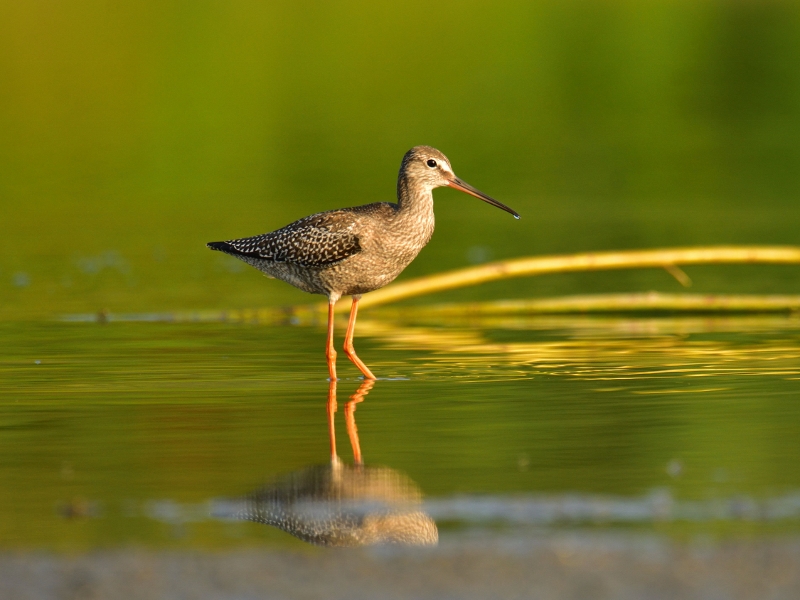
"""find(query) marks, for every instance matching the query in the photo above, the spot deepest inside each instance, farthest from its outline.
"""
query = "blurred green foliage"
(133, 132)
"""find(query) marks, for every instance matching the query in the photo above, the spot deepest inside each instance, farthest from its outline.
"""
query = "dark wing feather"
(316, 241)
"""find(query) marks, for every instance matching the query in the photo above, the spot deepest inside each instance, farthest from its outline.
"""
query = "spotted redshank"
(352, 251)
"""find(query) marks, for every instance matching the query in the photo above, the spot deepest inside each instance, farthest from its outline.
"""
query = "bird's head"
(427, 167)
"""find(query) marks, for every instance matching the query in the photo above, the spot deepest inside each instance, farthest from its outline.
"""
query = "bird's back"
(312, 252)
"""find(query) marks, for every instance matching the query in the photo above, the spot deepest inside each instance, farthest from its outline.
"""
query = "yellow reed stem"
(598, 303)
(679, 275)
(594, 261)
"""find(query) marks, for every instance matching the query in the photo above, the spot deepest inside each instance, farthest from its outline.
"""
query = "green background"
(131, 133)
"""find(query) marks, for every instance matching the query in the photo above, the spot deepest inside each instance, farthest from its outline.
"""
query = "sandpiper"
(352, 251)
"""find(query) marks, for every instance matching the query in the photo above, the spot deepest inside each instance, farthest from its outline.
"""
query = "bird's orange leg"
(349, 350)
(350, 418)
(330, 352)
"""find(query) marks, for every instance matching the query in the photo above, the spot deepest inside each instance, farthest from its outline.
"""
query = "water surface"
(129, 433)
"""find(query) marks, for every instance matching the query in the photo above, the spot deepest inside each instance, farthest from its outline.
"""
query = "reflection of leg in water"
(350, 419)
(331, 425)
(341, 504)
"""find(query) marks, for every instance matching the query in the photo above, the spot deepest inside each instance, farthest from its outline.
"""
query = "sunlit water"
(139, 433)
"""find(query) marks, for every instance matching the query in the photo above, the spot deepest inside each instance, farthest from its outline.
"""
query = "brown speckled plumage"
(352, 251)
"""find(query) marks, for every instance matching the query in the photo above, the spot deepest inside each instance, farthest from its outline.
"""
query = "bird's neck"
(414, 200)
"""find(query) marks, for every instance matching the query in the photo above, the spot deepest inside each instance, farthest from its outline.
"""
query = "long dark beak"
(463, 186)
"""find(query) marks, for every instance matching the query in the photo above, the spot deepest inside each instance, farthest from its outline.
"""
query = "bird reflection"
(340, 504)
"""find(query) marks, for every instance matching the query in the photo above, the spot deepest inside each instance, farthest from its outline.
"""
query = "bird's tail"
(221, 246)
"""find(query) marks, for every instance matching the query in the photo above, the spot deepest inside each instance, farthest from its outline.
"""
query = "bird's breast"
(384, 254)
(403, 239)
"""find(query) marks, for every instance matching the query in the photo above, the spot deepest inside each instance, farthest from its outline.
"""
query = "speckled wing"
(316, 241)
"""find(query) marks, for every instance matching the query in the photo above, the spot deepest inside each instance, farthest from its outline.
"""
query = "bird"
(353, 251)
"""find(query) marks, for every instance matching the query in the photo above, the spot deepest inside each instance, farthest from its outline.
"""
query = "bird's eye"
(431, 163)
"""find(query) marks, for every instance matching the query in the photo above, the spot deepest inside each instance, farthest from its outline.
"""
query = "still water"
(144, 433)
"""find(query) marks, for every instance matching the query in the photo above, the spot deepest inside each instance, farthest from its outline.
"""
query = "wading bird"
(352, 251)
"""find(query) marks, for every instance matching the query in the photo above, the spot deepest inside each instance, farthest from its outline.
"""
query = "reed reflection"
(344, 505)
